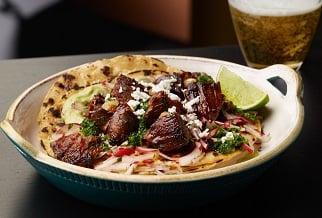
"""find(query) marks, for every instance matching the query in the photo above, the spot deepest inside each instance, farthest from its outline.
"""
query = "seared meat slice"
(77, 149)
(192, 93)
(97, 113)
(124, 87)
(168, 133)
(211, 99)
(176, 87)
(158, 103)
(121, 124)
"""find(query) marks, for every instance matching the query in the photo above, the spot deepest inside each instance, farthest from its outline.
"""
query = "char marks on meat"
(168, 133)
(158, 103)
(97, 113)
(78, 150)
(177, 86)
(121, 124)
(164, 130)
(124, 87)
(211, 99)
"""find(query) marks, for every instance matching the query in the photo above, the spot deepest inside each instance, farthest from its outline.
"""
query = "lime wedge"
(242, 93)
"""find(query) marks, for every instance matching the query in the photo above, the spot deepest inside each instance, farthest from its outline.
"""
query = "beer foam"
(276, 7)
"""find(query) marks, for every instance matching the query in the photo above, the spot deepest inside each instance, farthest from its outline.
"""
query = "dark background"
(67, 28)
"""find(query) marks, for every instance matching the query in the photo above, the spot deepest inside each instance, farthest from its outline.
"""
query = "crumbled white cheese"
(192, 120)
(191, 116)
(138, 95)
(164, 85)
(228, 136)
(133, 104)
(107, 96)
(188, 105)
(204, 133)
(173, 97)
(139, 112)
(196, 123)
(146, 84)
(172, 109)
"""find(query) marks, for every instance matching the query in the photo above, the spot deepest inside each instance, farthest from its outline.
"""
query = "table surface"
(292, 187)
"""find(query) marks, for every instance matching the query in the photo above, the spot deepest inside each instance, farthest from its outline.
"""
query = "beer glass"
(275, 31)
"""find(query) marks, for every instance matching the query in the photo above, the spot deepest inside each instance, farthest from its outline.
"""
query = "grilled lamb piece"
(78, 150)
(168, 133)
(158, 103)
(210, 102)
(121, 124)
(177, 86)
(97, 113)
(124, 87)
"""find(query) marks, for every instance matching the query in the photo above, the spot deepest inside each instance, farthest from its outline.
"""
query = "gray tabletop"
(290, 188)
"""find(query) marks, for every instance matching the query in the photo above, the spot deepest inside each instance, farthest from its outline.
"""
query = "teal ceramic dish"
(284, 119)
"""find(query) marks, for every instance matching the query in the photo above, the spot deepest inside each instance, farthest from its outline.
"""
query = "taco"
(135, 114)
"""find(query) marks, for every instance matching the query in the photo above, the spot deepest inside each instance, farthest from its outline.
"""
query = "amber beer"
(275, 31)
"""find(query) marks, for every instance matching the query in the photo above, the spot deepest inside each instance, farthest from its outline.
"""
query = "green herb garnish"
(135, 138)
(226, 145)
(204, 79)
(247, 114)
(89, 127)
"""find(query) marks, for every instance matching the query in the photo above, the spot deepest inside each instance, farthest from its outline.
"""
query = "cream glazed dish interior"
(284, 117)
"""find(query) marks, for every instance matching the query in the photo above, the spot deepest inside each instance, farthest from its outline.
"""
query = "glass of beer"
(275, 31)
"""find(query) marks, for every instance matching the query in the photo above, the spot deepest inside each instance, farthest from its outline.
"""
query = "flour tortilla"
(139, 67)
(76, 79)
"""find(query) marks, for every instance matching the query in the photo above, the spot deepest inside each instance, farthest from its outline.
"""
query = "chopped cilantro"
(105, 146)
(135, 138)
(220, 133)
(228, 145)
(225, 148)
(247, 114)
(70, 125)
(144, 105)
(204, 78)
(103, 139)
(89, 127)
(111, 99)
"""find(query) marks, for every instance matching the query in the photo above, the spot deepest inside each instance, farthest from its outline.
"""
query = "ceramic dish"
(284, 115)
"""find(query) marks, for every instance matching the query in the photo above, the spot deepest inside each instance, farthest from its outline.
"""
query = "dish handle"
(285, 79)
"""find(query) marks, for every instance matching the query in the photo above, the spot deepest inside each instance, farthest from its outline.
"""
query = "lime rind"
(242, 93)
